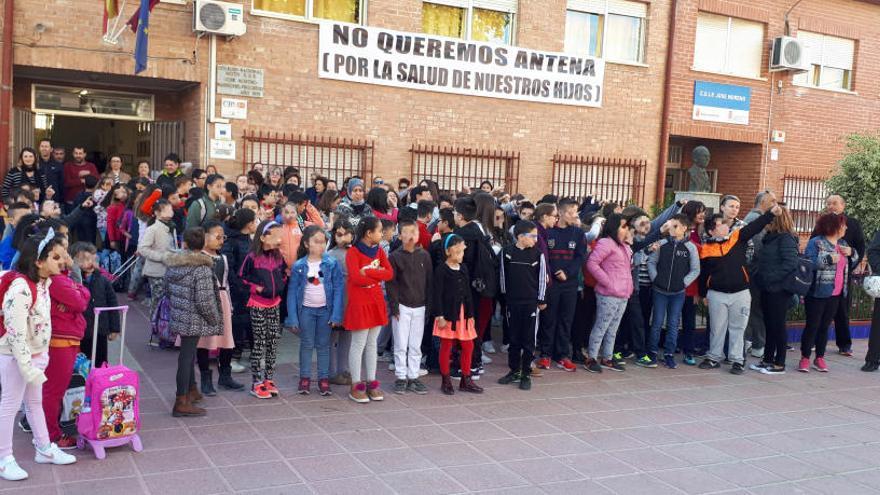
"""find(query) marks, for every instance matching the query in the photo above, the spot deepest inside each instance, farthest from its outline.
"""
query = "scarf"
(371, 252)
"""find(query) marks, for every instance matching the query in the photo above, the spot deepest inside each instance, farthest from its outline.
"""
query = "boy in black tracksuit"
(524, 284)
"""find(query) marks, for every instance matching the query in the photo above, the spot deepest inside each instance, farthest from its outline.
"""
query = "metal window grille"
(331, 157)
(454, 168)
(805, 197)
(611, 179)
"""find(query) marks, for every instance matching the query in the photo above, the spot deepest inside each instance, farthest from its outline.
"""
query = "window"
(91, 103)
(614, 179)
(613, 29)
(454, 168)
(728, 45)
(331, 157)
(830, 59)
(478, 20)
(335, 10)
(805, 197)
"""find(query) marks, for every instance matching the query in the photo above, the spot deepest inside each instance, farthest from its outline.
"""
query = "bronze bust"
(699, 178)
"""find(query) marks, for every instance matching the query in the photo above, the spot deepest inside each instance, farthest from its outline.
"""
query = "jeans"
(667, 307)
(15, 389)
(820, 313)
(314, 335)
(609, 312)
(363, 352)
(730, 315)
(186, 376)
(775, 307)
(408, 328)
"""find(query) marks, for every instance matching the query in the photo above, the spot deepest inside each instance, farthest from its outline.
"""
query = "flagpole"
(115, 37)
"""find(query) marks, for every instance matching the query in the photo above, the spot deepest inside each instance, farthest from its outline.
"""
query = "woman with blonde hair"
(777, 260)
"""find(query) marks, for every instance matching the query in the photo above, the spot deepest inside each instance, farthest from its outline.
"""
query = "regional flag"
(134, 21)
(141, 26)
(111, 11)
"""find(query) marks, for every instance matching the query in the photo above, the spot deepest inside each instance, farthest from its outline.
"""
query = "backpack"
(801, 279)
(73, 399)
(5, 281)
(161, 324)
(111, 407)
(484, 280)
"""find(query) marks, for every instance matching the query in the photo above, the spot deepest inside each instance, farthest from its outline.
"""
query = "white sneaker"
(486, 359)
(504, 348)
(489, 347)
(53, 455)
(390, 366)
(423, 372)
(10, 470)
(237, 367)
(758, 353)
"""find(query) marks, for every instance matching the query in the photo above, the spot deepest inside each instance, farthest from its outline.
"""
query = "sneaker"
(592, 366)
(757, 352)
(66, 442)
(237, 367)
(536, 372)
(845, 352)
(759, 367)
(618, 358)
(358, 393)
(423, 372)
(773, 370)
(689, 360)
(374, 392)
(304, 385)
(343, 378)
(479, 370)
(504, 348)
(399, 386)
(646, 362)
(486, 359)
(727, 361)
(819, 365)
(525, 383)
(509, 378)
(628, 354)
(489, 347)
(669, 361)
(10, 470)
(417, 387)
(543, 363)
(260, 391)
(51, 454)
(708, 364)
(24, 425)
(870, 366)
(386, 357)
(391, 367)
(271, 388)
(611, 365)
(567, 365)
(737, 369)
(455, 374)
(324, 387)
(804, 365)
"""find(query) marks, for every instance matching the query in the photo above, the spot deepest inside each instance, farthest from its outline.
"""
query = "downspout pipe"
(667, 96)
(6, 83)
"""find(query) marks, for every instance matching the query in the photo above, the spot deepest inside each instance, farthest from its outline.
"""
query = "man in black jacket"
(872, 358)
(52, 170)
(855, 238)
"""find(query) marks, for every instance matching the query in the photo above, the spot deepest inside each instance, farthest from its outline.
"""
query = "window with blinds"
(728, 45)
(334, 10)
(830, 59)
(479, 20)
(613, 29)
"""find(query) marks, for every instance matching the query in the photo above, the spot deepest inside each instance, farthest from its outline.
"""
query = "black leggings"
(186, 377)
(820, 314)
(874, 340)
(224, 359)
(774, 306)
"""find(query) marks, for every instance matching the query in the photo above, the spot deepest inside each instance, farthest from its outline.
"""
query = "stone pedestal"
(711, 200)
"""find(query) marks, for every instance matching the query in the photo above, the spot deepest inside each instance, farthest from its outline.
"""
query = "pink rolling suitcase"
(110, 416)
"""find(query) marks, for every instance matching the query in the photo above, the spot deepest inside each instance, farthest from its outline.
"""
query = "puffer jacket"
(195, 303)
(155, 246)
(610, 263)
(777, 260)
(236, 249)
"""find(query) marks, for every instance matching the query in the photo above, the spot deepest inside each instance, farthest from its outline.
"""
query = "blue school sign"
(723, 103)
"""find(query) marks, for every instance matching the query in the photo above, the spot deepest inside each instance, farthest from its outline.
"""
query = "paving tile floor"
(682, 431)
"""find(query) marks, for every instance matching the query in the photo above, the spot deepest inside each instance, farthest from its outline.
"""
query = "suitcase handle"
(98, 311)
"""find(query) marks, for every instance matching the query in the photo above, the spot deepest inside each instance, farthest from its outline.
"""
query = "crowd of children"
(355, 277)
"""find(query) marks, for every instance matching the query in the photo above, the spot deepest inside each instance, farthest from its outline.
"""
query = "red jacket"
(366, 304)
(68, 323)
(424, 236)
(114, 215)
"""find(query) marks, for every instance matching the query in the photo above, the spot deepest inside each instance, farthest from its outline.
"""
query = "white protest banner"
(349, 52)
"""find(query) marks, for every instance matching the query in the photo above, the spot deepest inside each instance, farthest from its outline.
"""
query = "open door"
(166, 137)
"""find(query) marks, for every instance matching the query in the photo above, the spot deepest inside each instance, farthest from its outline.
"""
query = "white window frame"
(603, 13)
(796, 80)
(727, 56)
(470, 5)
(309, 18)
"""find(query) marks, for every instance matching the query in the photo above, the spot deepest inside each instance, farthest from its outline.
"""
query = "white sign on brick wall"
(239, 81)
(349, 52)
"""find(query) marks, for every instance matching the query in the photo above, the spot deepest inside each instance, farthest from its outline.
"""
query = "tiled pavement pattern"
(644, 431)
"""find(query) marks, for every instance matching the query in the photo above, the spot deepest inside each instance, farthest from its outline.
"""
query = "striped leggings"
(266, 324)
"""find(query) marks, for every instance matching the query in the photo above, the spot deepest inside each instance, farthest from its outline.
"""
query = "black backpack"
(484, 280)
(801, 279)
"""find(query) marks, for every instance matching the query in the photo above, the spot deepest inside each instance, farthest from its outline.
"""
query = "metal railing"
(613, 179)
(805, 197)
(331, 157)
(454, 167)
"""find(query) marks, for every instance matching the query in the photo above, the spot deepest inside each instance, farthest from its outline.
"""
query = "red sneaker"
(66, 442)
(259, 391)
(804, 365)
(543, 363)
(271, 388)
(567, 365)
(324, 387)
(819, 365)
(304, 385)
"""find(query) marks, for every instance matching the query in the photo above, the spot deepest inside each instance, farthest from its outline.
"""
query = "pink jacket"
(69, 301)
(610, 263)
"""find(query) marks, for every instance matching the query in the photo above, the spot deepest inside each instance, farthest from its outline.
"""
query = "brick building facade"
(58, 43)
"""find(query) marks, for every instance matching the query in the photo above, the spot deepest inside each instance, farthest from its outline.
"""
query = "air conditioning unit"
(221, 18)
(788, 53)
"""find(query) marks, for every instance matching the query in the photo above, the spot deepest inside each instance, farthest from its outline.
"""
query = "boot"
(207, 383)
(226, 381)
(194, 395)
(183, 408)
(467, 385)
(446, 386)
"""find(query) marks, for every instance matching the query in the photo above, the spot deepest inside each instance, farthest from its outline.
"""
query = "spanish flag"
(111, 11)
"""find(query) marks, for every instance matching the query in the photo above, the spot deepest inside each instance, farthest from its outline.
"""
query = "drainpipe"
(664, 122)
(6, 83)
